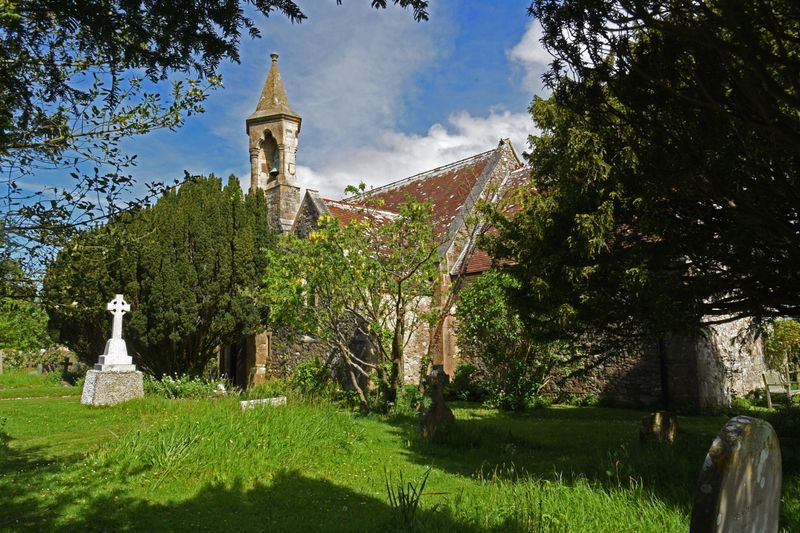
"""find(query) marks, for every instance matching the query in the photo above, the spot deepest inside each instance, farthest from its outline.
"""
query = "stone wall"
(627, 378)
(288, 349)
(730, 360)
(725, 362)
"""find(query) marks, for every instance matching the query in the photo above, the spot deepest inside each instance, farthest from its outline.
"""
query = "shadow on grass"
(600, 445)
(63, 496)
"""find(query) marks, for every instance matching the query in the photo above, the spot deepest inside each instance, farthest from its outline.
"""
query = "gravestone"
(740, 484)
(244, 405)
(659, 427)
(438, 415)
(114, 378)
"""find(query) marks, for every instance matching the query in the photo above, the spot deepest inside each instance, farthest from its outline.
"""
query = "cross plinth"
(115, 357)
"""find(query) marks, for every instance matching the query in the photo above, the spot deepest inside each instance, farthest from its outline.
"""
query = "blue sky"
(381, 96)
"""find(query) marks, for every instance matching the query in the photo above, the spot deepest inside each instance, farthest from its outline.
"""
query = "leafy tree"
(78, 76)
(23, 321)
(491, 334)
(666, 169)
(357, 287)
(189, 266)
(782, 344)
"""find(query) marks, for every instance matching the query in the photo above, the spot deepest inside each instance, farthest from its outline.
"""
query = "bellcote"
(273, 129)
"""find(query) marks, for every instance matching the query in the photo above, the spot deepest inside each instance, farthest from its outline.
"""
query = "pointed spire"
(273, 99)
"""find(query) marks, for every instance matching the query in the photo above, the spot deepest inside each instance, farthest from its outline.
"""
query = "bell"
(273, 172)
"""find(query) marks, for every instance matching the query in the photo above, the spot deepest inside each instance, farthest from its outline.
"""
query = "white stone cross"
(115, 357)
(118, 307)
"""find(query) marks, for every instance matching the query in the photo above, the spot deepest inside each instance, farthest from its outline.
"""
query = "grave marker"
(740, 484)
(438, 415)
(114, 378)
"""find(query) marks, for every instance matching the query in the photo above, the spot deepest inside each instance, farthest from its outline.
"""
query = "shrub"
(183, 386)
(52, 356)
(509, 362)
(782, 345)
(312, 377)
(466, 385)
(409, 401)
(270, 389)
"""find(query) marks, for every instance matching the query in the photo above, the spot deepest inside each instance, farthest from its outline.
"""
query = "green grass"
(26, 383)
(197, 465)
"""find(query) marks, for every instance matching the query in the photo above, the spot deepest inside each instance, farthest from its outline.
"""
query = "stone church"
(710, 371)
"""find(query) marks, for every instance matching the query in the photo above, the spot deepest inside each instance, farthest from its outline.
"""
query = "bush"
(312, 377)
(183, 386)
(466, 385)
(409, 401)
(509, 362)
(52, 356)
(270, 389)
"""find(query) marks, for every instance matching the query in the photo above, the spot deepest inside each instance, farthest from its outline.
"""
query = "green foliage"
(782, 344)
(352, 287)
(466, 384)
(181, 387)
(511, 364)
(312, 377)
(52, 355)
(23, 325)
(189, 266)
(643, 222)
(405, 500)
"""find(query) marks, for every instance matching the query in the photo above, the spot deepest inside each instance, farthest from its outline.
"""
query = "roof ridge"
(417, 176)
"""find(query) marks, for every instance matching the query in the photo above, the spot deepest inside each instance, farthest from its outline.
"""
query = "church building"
(706, 372)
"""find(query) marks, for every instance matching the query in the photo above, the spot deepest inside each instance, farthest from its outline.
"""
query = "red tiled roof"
(345, 212)
(446, 187)
(480, 261)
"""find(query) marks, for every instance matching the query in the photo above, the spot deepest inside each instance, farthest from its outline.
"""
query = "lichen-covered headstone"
(438, 415)
(114, 378)
(659, 427)
(740, 484)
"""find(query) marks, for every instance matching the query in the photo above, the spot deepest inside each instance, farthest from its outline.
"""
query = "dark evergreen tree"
(666, 171)
(189, 266)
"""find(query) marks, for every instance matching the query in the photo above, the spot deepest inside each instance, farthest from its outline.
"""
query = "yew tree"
(190, 267)
(666, 175)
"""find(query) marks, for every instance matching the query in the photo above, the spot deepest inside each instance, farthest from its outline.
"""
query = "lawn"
(198, 465)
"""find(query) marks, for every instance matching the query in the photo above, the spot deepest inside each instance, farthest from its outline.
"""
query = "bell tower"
(273, 129)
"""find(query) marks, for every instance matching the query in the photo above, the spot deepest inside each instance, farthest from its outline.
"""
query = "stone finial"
(273, 100)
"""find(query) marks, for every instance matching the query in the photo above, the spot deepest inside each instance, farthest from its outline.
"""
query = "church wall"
(730, 362)
(710, 371)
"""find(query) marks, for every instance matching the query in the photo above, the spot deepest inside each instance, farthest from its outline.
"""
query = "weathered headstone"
(438, 415)
(740, 484)
(244, 405)
(659, 427)
(114, 378)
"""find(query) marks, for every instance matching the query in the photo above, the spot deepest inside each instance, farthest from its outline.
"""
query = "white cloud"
(531, 55)
(395, 155)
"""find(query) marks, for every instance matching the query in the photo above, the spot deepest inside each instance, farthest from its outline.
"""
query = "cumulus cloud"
(395, 155)
(531, 56)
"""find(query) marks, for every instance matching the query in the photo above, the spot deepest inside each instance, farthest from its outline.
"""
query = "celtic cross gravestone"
(114, 378)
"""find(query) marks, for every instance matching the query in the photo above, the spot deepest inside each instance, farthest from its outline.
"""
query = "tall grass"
(201, 465)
